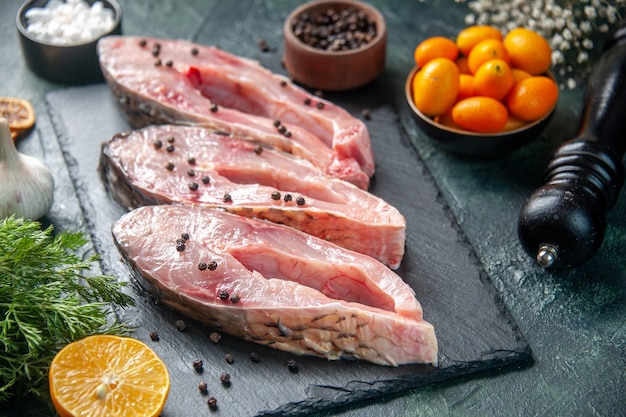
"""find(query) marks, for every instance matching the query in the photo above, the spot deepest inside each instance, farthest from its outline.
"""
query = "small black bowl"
(486, 145)
(73, 64)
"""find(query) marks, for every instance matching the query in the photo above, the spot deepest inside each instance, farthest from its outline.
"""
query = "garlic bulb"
(26, 185)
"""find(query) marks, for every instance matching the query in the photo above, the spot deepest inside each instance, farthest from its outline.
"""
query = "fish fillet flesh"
(165, 164)
(275, 285)
(176, 81)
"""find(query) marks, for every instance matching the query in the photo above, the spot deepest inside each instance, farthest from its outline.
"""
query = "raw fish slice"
(162, 81)
(274, 285)
(192, 165)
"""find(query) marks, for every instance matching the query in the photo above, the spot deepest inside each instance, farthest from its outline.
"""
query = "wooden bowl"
(334, 70)
(72, 64)
(471, 143)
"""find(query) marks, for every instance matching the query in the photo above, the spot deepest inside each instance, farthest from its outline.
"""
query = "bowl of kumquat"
(484, 93)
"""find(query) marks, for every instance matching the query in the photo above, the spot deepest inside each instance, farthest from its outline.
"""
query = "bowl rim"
(27, 5)
(381, 27)
(408, 91)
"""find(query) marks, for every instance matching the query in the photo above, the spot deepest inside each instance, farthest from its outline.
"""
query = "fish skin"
(249, 100)
(135, 173)
(294, 292)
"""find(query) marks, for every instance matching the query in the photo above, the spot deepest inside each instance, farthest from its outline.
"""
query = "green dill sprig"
(48, 298)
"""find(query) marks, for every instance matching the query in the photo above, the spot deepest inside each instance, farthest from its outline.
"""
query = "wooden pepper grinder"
(562, 224)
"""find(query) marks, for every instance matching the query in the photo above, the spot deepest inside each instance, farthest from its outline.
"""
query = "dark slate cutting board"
(474, 330)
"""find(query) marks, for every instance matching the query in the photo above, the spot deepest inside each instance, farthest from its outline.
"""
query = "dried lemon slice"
(18, 112)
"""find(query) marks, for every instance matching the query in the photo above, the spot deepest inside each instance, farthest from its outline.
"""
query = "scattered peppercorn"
(293, 366)
(283, 83)
(158, 144)
(157, 63)
(185, 235)
(254, 357)
(154, 336)
(180, 245)
(171, 139)
(194, 51)
(143, 43)
(206, 180)
(225, 379)
(263, 46)
(215, 337)
(275, 195)
(224, 295)
(228, 198)
(191, 161)
(170, 166)
(191, 173)
(212, 403)
(300, 201)
(287, 198)
(234, 299)
(320, 105)
(156, 49)
(180, 325)
(193, 186)
(170, 148)
(318, 93)
(203, 387)
(212, 266)
(230, 359)
(198, 365)
(367, 115)
(202, 266)
(258, 149)
(288, 134)
(307, 101)
(213, 108)
(169, 63)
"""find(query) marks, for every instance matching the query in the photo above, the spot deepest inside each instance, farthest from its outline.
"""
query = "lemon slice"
(108, 376)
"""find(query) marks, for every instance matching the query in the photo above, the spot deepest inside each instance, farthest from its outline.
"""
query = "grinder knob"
(562, 224)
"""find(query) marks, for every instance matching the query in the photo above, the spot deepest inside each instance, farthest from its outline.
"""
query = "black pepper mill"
(562, 223)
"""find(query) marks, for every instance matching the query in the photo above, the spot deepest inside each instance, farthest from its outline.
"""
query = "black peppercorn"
(300, 201)
(203, 387)
(292, 365)
(213, 108)
(206, 180)
(234, 299)
(194, 51)
(275, 195)
(212, 403)
(228, 198)
(158, 144)
(180, 325)
(198, 365)
(154, 336)
(224, 295)
(170, 148)
(193, 186)
(230, 359)
(191, 161)
(170, 166)
(287, 198)
(202, 266)
(225, 379)
(212, 266)
(254, 357)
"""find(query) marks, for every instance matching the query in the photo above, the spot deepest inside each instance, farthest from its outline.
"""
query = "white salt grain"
(71, 22)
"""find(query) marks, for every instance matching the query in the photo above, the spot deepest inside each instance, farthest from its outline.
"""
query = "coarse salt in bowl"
(59, 37)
